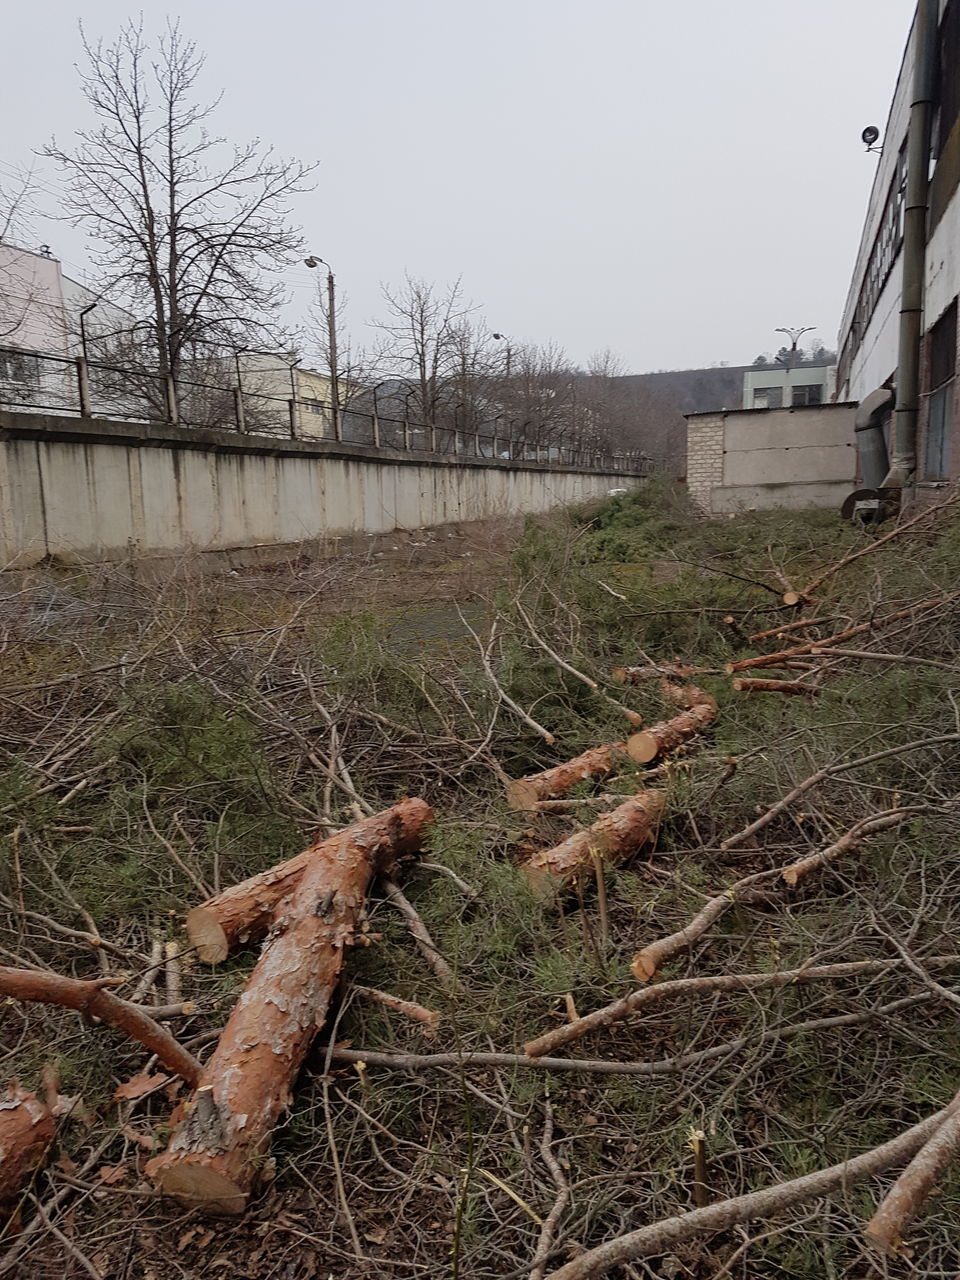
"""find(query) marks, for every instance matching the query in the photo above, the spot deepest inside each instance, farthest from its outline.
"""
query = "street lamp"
(313, 261)
(794, 335)
(83, 329)
(502, 337)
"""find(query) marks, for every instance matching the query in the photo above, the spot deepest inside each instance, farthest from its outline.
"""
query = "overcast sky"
(669, 180)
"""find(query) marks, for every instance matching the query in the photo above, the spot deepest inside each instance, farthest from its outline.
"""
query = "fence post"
(406, 436)
(433, 437)
(170, 395)
(238, 409)
(376, 428)
(292, 406)
(83, 387)
(476, 444)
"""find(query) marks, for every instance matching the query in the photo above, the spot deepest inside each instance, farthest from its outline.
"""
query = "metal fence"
(36, 382)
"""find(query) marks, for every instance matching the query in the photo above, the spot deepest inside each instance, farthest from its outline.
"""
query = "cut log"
(27, 1128)
(245, 911)
(746, 684)
(90, 997)
(222, 1134)
(524, 793)
(666, 736)
(614, 837)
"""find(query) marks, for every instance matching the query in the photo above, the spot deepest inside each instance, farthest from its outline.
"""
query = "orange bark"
(27, 1128)
(89, 997)
(524, 793)
(670, 734)
(245, 910)
(222, 1134)
(614, 837)
(744, 684)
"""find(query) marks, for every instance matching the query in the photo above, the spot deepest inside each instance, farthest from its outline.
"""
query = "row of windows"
(804, 393)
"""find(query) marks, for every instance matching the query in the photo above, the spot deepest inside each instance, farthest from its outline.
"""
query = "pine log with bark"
(27, 1128)
(614, 837)
(222, 1133)
(700, 712)
(245, 911)
(524, 793)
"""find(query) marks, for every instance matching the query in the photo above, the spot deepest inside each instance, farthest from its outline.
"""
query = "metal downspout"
(904, 461)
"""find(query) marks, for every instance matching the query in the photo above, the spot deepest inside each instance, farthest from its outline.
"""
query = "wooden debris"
(409, 1008)
(908, 1194)
(27, 1128)
(524, 793)
(420, 934)
(614, 837)
(713, 984)
(746, 684)
(648, 744)
(245, 910)
(797, 651)
(848, 841)
(222, 1134)
(91, 998)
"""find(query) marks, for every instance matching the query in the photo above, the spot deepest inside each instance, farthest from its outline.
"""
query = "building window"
(807, 393)
(313, 406)
(943, 365)
(768, 397)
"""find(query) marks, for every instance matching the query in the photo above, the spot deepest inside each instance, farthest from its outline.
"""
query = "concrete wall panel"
(105, 491)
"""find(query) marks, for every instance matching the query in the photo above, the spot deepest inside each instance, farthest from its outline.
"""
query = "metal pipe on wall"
(925, 62)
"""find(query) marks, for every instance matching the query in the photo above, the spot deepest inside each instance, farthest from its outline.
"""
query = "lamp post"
(314, 261)
(83, 328)
(794, 335)
(502, 337)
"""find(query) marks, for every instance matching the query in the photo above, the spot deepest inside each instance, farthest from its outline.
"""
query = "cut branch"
(223, 1132)
(680, 988)
(420, 934)
(906, 1197)
(245, 910)
(614, 837)
(875, 624)
(661, 1237)
(795, 597)
(849, 840)
(90, 997)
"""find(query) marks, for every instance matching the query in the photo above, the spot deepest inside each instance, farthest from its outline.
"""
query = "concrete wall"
(771, 457)
(90, 491)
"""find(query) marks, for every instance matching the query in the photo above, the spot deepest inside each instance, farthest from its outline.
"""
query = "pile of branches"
(340, 760)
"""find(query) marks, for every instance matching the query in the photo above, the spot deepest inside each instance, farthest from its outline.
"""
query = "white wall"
(31, 302)
(802, 457)
(79, 495)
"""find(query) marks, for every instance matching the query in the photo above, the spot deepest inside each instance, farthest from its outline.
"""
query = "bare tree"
(186, 228)
(422, 339)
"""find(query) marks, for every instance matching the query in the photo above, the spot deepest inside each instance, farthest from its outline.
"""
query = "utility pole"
(314, 261)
